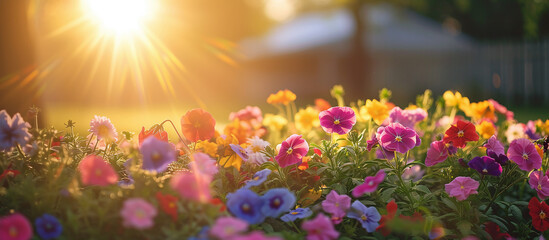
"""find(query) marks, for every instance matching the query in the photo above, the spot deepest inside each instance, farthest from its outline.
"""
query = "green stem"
(185, 147)
(20, 150)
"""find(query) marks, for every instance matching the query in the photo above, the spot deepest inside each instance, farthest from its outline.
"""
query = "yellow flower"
(207, 147)
(310, 197)
(486, 129)
(231, 161)
(544, 126)
(481, 110)
(306, 119)
(376, 110)
(465, 106)
(340, 139)
(283, 96)
(275, 122)
(223, 143)
(452, 99)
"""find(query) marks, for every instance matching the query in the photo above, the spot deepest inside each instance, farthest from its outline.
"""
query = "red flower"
(391, 213)
(494, 231)
(168, 204)
(460, 133)
(539, 211)
(198, 124)
(9, 172)
(157, 131)
(218, 202)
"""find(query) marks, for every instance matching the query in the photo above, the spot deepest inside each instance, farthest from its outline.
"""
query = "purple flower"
(126, 182)
(396, 137)
(370, 184)
(530, 130)
(292, 150)
(320, 228)
(13, 131)
(524, 154)
(437, 153)
(246, 205)
(461, 187)
(407, 118)
(494, 145)
(338, 120)
(48, 227)
(277, 201)
(226, 227)
(240, 151)
(157, 154)
(539, 182)
(203, 163)
(414, 172)
(258, 178)
(485, 165)
(381, 153)
(367, 216)
(297, 213)
(336, 205)
(502, 159)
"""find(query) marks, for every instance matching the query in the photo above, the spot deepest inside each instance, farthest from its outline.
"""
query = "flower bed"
(440, 168)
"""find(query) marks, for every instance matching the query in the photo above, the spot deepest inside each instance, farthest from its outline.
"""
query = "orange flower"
(283, 96)
(322, 104)
(198, 124)
(157, 131)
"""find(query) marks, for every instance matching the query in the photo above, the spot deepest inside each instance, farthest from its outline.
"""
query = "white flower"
(257, 158)
(256, 144)
(515, 131)
(103, 129)
(13, 131)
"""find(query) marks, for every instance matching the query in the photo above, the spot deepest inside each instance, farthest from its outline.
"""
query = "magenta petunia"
(338, 120)
(203, 164)
(15, 227)
(194, 186)
(524, 154)
(370, 184)
(320, 228)
(461, 187)
(494, 145)
(227, 227)
(337, 205)
(539, 182)
(396, 137)
(292, 150)
(407, 118)
(95, 171)
(437, 153)
(138, 213)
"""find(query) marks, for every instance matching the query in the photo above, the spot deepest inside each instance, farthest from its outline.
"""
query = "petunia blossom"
(524, 154)
(168, 204)
(539, 182)
(246, 205)
(539, 212)
(461, 133)
(338, 120)
(258, 178)
(396, 137)
(494, 145)
(255, 235)
(204, 164)
(370, 184)
(13, 131)
(157, 154)
(292, 150)
(320, 228)
(48, 227)
(367, 216)
(337, 205)
(15, 227)
(408, 117)
(95, 171)
(198, 124)
(157, 131)
(138, 213)
(277, 201)
(194, 186)
(227, 227)
(296, 214)
(485, 165)
(461, 187)
(437, 153)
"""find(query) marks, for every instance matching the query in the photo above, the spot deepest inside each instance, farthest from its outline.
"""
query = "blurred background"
(142, 61)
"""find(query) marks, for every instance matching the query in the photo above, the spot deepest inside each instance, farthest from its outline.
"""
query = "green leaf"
(422, 188)
(515, 212)
(449, 203)
(386, 194)
(464, 227)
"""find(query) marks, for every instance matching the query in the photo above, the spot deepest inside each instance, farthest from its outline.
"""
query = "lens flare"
(119, 16)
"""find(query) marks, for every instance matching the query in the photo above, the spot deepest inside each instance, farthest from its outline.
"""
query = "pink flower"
(338, 120)
(437, 153)
(292, 150)
(13, 131)
(370, 184)
(15, 227)
(337, 205)
(524, 154)
(255, 235)
(251, 114)
(407, 118)
(539, 182)
(95, 171)
(495, 145)
(320, 228)
(103, 128)
(226, 227)
(462, 187)
(138, 213)
(396, 137)
(203, 164)
(195, 186)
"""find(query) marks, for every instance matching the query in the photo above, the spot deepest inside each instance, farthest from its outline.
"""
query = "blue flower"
(48, 227)
(258, 178)
(127, 182)
(202, 235)
(485, 165)
(277, 201)
(500, 158)
(368, 216)
(297, 213)
(240, 151)
(246, 205)
(157, 154)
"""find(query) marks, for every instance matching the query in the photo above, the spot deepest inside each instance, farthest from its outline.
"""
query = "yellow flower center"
(337, 204)
(276, 202)
(196, 124)
(542, 215)
(289, 151)
(539, 186)
(525, 156)
(256, 178)
(461, 133)
(256, 149)
(98, 172)
(336, 122)
(156, 156)
(364, 218)
(462, 187)
(245, 207)
(140, 214)
(171, 205)
(294, 213)
(484, 170)
(398, 138)
(103, 131)
(13, 232)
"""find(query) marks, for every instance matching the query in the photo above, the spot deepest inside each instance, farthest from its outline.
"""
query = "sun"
(119, 16)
